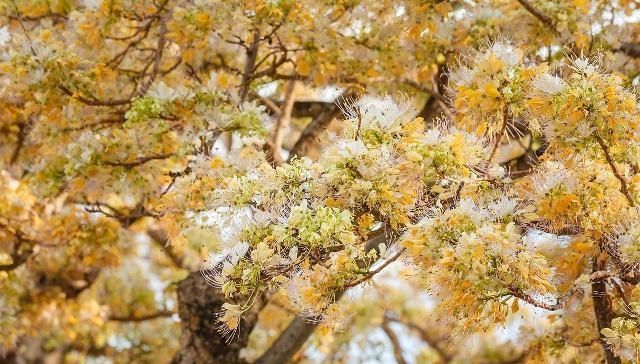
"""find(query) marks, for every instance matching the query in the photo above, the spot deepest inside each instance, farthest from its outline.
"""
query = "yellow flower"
(491, 89)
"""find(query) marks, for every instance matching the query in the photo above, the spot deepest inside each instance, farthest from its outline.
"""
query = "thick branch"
(200, 341)
(249, 65)
(310, 135)
(281, 125)
(158, 59)
(395, 342)
(426, 337)
(603, 309)
(289, 342)
(160, 238)
(631, 49)
(141, 318)
(436, 103)
(22, 136)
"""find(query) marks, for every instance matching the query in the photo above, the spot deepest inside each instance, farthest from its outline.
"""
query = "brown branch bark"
(426, 337)
(395, 342)
(373, 272)
(602, 308)
(500, 136)
(535, 12)
(630, 49)
(94, 102)
(159, 53)
(310, 135)
(160, 238)
(137, 162)
(22, 251)
(141, 318)
(249, 65)
(200, 341)
(623, 183)
(274, 144)
(22, 136)
(596, 277)
(289, 342)
(436, 103)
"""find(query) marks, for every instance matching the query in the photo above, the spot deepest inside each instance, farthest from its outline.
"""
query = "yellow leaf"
(515, 307)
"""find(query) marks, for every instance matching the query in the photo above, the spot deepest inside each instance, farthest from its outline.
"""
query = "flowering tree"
(319, 181)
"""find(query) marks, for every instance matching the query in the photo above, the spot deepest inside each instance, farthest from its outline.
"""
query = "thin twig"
(623, 183)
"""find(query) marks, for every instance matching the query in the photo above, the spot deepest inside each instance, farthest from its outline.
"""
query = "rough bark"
(200, 341)
(433, 108)
(602, 308)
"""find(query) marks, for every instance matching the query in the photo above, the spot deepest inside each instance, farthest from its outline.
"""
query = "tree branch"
(159, 52)
(22, 136)
(395, 342)
(249, 65)
(310, 135)
(296, 334)
(20, 253)
(160, 238)
(623, 183)
(503, 129)
(373, 272)
(274, 144)
(138, 161)
(425, 336)
(535, 12)
(595, 277)
(630, 49)
(602, 308)
(141, 318)
(93, 101)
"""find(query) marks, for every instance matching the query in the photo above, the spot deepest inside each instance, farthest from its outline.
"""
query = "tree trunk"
(200, 341)
(602, 307)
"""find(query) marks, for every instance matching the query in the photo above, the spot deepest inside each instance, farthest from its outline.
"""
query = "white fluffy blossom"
(91, 4)
(553, 176)
(382, 112)
(350, 148)
(549, 84)
(506, 52)
(583, 65)
(5, 36)
(165, 93)
(503, 207)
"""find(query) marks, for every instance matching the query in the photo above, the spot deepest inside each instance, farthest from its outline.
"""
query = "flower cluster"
(388, 163)
(474, 256)
(570, 195)
(489, 88)
(303, 225)
(624, 333)
(588, 106)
